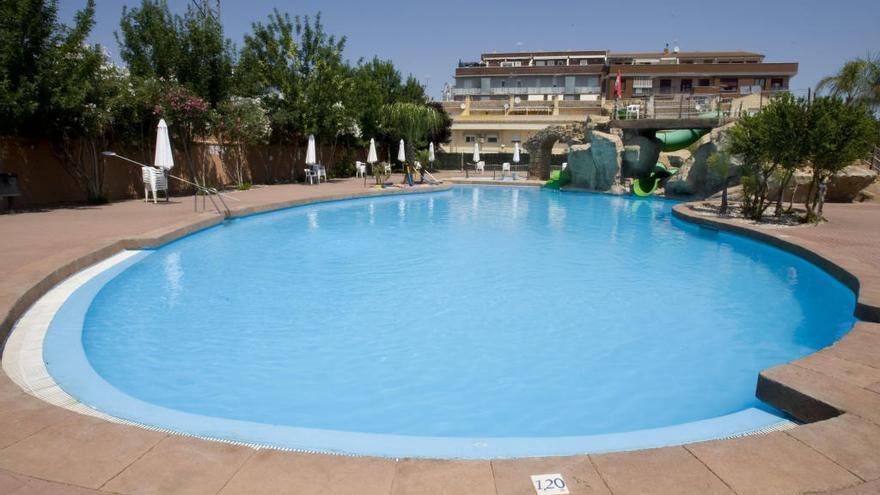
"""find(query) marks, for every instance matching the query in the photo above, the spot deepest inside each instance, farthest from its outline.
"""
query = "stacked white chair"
(481, 166)
(311, 175)
(154, 181)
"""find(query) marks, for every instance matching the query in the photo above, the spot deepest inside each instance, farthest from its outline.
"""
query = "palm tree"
(857, 80)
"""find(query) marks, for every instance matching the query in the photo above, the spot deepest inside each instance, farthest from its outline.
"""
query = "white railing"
(533, 90)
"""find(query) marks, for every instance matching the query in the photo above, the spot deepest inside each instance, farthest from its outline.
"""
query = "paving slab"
(15, 484)
(22, 416)
(435, 477)
(83, 451)
(870, 488)
(772, 464)
(671, 470)
(287, 473)
(835, 366)
(861, 345)
(181, 465)
(513, 476)
(851, 442)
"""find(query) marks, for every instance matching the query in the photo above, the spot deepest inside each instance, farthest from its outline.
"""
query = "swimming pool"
(477, 322)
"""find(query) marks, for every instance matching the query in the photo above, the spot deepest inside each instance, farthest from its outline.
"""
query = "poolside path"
(47, 450)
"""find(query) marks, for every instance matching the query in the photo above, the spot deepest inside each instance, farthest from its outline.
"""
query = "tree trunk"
(724, 204)
(782, 188)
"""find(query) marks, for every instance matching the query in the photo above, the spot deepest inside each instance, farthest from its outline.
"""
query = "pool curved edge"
(867, 302)
(867, 308)
(69, 367)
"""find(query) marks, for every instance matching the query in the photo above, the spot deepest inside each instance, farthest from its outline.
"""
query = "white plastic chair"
(564, 165)
(360, 169)
(505, 168)
(154, 180)
(633, 111)
(387, 169)
(311, 176)
(322, 173)
(481, 166)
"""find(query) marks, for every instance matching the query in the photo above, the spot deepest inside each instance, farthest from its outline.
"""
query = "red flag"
(617, 85)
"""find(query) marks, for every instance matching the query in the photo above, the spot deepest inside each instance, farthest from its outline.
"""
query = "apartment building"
(505, 98)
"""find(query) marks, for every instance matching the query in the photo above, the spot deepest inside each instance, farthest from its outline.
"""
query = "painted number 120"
(549, 484)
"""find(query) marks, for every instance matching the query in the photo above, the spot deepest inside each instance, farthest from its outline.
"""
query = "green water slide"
(679, 139)
(646, 186)
(682, 138)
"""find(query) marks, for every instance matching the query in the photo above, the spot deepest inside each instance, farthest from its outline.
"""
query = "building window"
(503, 83)
(776, 83)
(760, 82)
(491, 138)
(729, 84)
(470, 138)
(540, 63)
(665, 86)
(687, 85)
(705, 82)
(511, 64)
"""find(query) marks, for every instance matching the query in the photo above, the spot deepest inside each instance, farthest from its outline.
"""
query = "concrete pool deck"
(46, 449)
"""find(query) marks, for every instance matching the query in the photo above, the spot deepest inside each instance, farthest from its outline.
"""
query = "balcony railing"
(533, 90)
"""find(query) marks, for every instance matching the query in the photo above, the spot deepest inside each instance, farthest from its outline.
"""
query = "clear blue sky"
(428, 38)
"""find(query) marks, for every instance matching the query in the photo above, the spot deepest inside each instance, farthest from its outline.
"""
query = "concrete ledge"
(509, 183)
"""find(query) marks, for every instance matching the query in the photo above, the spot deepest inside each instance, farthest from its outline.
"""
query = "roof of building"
(722, 54)
(579, 53)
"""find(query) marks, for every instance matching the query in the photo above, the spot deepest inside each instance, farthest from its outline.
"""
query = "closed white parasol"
(311, 159)
(371, 156)
(163, 159)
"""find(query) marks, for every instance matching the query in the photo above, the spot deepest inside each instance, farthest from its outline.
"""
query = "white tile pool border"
(23, 361)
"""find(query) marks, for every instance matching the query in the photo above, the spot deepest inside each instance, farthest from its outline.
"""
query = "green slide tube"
(646, 186)
(679, 139)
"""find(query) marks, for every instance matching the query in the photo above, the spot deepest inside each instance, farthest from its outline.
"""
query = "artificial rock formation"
(540, 146)
(695, 176)
(640, 154)
(843, 187)
(597, 165)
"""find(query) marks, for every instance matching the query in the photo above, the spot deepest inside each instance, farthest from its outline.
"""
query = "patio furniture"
(311, 175)
(480, 167)
(633, 111)
(505, 167)
(564, 165)
(322, 173)
(8, 187)
(360, 169)
(154, 181)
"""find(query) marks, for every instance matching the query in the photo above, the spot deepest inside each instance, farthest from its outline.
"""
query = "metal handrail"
(210, 192)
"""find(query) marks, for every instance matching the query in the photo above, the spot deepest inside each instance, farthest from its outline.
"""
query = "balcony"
(535, 90)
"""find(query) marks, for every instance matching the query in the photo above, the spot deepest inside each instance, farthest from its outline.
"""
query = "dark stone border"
(782, 385)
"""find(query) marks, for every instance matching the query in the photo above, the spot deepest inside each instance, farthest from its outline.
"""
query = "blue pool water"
(475, 313)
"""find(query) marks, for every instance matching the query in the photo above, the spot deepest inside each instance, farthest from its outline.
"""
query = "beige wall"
(458, 145)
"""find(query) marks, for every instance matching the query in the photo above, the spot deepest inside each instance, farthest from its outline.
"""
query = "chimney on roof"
(666, 49)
